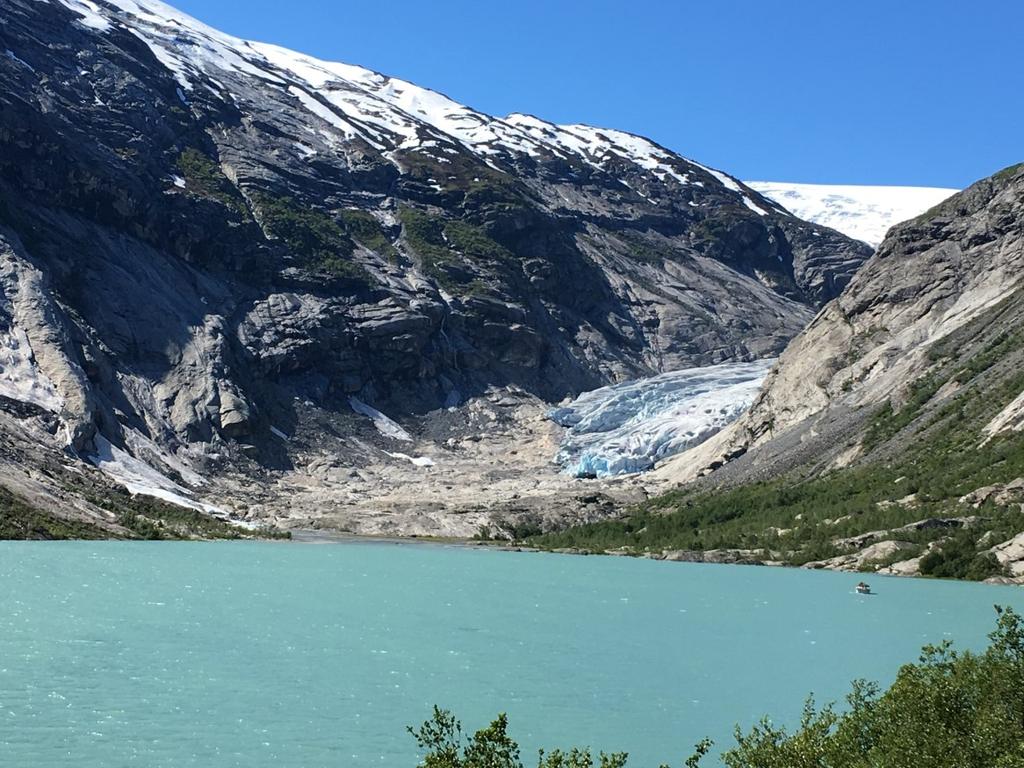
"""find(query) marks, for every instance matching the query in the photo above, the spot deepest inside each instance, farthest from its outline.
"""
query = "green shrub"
(959, 558)
(492, 747)
(204, 178)
(316, 240)
(141, 526)
(949, 710)
(364, 228)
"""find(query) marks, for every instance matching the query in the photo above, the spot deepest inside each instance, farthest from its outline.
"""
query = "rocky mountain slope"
(862, 212)
(891, 433)
(931, 277)
(220, 259)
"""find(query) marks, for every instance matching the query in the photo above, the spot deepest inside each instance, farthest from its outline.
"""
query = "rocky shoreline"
(752, 557)
(758, 558)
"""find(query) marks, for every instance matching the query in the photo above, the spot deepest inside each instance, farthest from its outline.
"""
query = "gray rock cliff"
(203, 238)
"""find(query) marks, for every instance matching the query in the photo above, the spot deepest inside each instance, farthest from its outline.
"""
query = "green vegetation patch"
(959, 558)
(204, 178)
(151, 518)
(1008, 172)
(364, 228)
(447, 247)
(474, 243)
(481, 186)
(314, 238)
(887, 422)
(425, 235)
(20, 520)
(494, 191)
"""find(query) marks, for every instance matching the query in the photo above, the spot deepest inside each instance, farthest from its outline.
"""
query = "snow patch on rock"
(419, 461)
(20, 376)
(142, 479)
(384, 425)
(89, 13)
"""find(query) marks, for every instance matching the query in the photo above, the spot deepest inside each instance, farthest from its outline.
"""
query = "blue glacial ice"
(628, 427)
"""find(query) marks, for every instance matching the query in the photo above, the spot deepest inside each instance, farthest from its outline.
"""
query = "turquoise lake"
(308, 655)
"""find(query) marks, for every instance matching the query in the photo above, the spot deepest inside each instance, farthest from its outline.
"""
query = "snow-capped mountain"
(861, 212)
(210, 245)
(384, 112)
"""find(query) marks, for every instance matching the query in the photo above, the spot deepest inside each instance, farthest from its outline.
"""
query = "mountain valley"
(245, 291)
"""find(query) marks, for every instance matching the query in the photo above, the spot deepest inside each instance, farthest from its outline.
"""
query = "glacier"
(863, 212)
(627, 428)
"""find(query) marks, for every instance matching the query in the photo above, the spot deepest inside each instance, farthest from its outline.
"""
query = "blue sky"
(919, 92)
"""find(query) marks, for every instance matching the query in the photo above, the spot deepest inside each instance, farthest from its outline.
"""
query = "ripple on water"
(250, 654)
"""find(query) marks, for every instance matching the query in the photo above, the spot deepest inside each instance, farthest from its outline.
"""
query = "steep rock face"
(202, 236)
(931, 277)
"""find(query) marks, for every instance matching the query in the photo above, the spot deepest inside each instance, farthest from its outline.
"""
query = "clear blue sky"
(920, 92)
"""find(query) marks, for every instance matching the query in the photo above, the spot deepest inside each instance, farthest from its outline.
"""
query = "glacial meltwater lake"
(308, 655)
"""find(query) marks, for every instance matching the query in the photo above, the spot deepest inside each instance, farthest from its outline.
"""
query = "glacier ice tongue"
(626, 428)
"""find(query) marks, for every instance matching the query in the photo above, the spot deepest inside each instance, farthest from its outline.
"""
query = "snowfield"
(863, 212)
(627, 428)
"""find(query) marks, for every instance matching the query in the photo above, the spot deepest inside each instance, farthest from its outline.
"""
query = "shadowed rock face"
(202, 235)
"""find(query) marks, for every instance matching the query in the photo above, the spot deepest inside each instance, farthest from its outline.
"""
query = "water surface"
(276, 654)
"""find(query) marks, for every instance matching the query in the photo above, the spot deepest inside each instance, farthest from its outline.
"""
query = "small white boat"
(863, 589)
